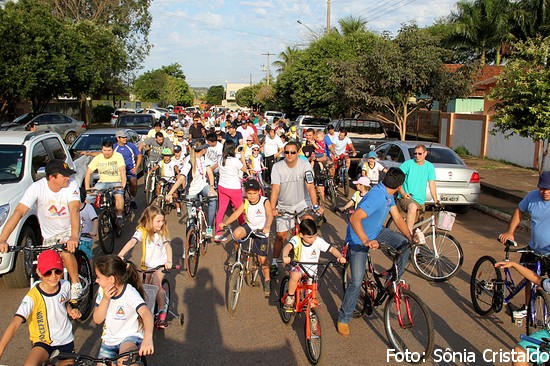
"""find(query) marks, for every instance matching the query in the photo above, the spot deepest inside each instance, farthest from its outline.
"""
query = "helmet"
(177, 148)
(293, 128)
(179, 133)
(167, 151)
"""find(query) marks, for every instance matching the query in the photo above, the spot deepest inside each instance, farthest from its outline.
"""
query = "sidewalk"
(502, 187)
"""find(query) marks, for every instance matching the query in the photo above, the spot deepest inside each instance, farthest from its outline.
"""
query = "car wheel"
(70, 137)
(19, 277)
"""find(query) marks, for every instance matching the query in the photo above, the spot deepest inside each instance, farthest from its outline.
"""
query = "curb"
(524, 225)
(498, 192)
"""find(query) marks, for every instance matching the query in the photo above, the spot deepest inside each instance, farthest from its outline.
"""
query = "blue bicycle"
(490, 292)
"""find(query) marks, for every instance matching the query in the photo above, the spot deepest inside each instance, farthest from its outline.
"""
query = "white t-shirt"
(122, 316)
(373, 173)
(167, 170)
(47, 315)
(52, 208)
(199, 175)
(340, 145)
(272, 145)
(310, 253)
(155, 249)
(214, 154)
(246, 132)
(333, 138)
(87, 217)
(229, 173)
(256, 163)
(255, 214)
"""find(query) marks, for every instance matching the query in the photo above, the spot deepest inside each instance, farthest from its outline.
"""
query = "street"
(257, 334)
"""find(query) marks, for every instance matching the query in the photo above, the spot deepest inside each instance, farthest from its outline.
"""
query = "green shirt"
(416, 179)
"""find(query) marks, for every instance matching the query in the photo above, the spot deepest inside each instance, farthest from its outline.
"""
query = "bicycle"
(84, 360)
(306, 299)
(85, 303)
(164, 205)
(196, 232)
(151, 179)
(107, 227)
(151, 293)
(440, 257)
(341, 176)
(407, 320)
(542, 345)
(488, 289)
(246, 266)
(330, 187)
(296, 216)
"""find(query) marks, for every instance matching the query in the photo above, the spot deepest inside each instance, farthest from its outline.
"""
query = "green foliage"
(102, 113)
(462, 151)
(245, 97)
(215, 95)
(166, 85)
(523, 94)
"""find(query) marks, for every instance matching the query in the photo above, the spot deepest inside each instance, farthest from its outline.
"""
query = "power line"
(392, 10)
(373, 6)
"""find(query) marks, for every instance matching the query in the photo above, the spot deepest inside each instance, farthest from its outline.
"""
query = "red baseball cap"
(49, 259)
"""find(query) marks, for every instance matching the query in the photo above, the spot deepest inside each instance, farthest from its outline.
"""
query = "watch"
(315, 207)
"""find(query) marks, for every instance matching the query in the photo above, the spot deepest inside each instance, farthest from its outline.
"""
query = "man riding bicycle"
(57, 200)
(341, 146)
(132, 159)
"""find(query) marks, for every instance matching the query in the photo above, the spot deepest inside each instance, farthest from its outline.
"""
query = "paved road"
(257, 335)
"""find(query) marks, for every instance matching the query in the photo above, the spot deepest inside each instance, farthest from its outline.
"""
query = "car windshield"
(362, 126)
(440, 156)
(315, 121)
(11, 163)
(274, 114)
(133, 121)
(92, 141)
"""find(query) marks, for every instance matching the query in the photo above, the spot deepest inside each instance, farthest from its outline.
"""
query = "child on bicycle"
(307, 247)
(258, 215)
(363, 187)
(156, 251)
(128, 322)
(88, 226)
(46, 307)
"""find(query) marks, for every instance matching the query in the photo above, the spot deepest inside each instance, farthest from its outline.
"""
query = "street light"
(313, 33)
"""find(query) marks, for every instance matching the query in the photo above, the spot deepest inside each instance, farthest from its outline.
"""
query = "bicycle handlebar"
(257, 233)
(189, 199)
(326, 264)
(57, 247)
(544, 344)
(305, 211)
(152, 270)
(77, 357)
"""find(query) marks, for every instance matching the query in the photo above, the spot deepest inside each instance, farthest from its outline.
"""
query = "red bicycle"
(306, 301)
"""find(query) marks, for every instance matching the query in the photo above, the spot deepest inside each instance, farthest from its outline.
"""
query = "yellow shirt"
(108, 169)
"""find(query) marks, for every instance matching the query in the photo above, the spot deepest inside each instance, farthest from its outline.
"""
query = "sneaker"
(273, 270)
(76, 291)
(289, 303)
(179, 213)
(520, 313)
(343, 329)
(133, 205)
(162, 324)
(208, 232)
(267, 288)
(220, 238)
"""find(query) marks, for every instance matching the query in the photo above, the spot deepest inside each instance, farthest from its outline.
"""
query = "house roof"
(484, 80)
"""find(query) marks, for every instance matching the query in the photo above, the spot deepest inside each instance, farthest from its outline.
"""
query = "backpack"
(143, 232)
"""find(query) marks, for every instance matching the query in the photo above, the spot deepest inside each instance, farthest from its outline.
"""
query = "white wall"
(468, 133)
(444, 124)
(516, 149)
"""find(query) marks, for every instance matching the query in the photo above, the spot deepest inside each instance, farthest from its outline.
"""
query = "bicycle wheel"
(445, 264)
(537, 312)
(314, 341)
(482, 285)
(127, 208)
(85, 303)
(150, 183)
(286, 317)
(253, 271)
(203, 226)
(363, 298)
(106, 231)
(345, 182)
(415, 334)
(193, 252)
(331, 193)
(166, 287)
(235, 286)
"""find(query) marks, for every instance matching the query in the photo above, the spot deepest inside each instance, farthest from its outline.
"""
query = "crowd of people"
(262, 170)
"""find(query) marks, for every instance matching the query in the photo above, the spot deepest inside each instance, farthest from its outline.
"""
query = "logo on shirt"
(120, 314)
(62, 299)
(57, 212)
(259, 212)
(314, 253)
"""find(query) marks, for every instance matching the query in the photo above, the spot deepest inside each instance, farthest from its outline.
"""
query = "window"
(56, 148)
(395, 154)
(40, 158)
(12, 161)
(441, 156)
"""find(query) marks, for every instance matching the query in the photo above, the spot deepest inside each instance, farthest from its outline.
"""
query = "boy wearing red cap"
(46, 307)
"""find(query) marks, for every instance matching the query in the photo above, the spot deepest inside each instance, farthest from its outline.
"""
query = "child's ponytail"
(133, 277)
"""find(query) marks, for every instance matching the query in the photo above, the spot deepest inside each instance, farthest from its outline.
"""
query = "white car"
(158, 113)
(269, 115)
(118, 112)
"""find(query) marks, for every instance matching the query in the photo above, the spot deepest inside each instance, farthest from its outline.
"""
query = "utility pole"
(267, 71)
(328, 17)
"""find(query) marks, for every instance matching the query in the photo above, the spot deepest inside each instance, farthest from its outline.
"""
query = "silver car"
(457, 184)
(67, 127)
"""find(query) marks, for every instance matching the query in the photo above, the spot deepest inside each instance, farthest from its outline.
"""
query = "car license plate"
(449, 198)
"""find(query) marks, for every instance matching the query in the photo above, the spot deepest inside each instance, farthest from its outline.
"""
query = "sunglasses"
(418, 153)
(255, 149)
(122, 137)
(291, 152)
(57, 272)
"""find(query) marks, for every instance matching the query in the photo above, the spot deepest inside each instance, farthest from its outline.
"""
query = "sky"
(227, 41)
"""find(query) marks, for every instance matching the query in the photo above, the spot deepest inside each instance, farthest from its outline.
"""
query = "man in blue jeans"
(365, 230)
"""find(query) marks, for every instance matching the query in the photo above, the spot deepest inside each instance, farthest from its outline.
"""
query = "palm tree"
(350, 25)
(480, 26)
(531, 18)
(285, 58)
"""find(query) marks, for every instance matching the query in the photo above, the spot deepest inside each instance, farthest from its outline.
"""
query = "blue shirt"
(539, 210)
(376, 204)
(328, 142)
(128, 152)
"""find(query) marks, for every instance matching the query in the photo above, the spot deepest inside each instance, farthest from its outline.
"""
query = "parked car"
(158, 113)
(67, 127)
(23, 158)
(360, 127)
(139, 122)
(305, 122)
(457, 184)
(92, 140)
(269, 115)
(119, 112)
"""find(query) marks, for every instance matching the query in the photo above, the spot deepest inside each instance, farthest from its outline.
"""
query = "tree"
(522, 93)
(215, 95)
(480, 26)
(246, 97)
(166, 85)
(350, 25)
(530, 18)
(390, 77)
(285, 59)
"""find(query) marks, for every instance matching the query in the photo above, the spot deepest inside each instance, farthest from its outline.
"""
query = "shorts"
(404, 203)
(129, 174)
(530, 260)
(312, 269)
(260, 244)
(286, 223)
(534, 353)
(113, 351)
(65, 348)
(319, 155)
(90, 198)
(85, 245)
